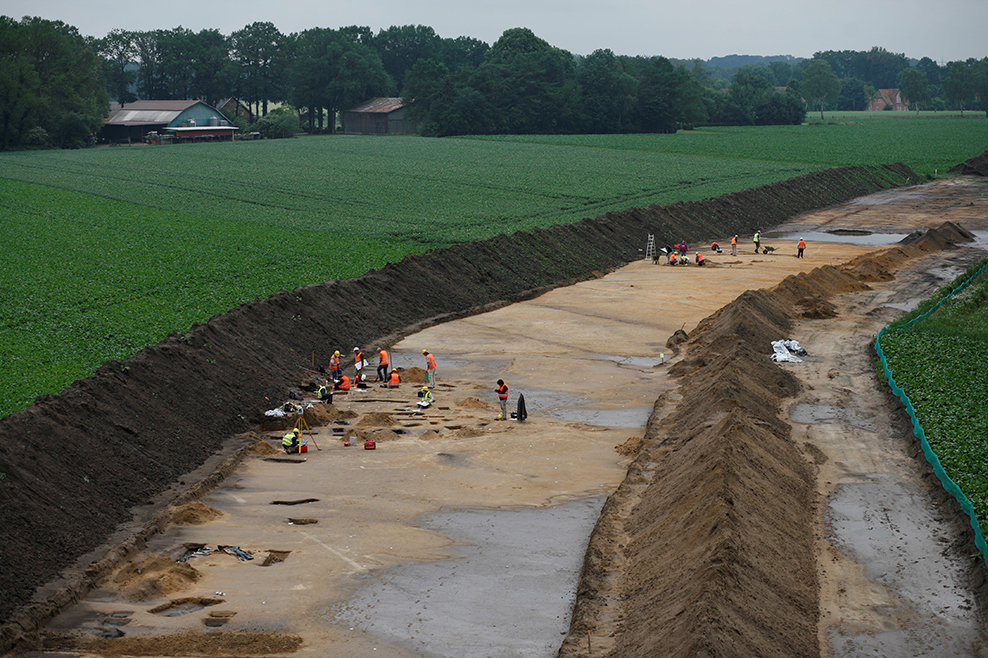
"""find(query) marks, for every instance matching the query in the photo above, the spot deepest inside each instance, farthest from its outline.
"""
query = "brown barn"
(378, 116)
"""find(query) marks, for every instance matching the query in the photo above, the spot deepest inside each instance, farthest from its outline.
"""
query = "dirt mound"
(75, 464)
(468, 433)
(377, 420)
(154, 576)
(430, 435)
(382, 435)
(262, 449)
(976, 166)
(631, 447)
(321, 414)
(412, 375)
(196, 513)
(814, 308)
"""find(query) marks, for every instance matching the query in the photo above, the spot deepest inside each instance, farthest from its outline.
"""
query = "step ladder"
(650, 247)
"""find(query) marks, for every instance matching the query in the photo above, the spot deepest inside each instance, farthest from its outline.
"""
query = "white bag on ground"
(782, 352)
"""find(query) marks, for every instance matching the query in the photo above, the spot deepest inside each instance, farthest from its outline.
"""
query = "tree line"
(56, 83)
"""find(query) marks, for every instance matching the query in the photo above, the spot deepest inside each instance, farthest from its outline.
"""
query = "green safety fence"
(918, 431)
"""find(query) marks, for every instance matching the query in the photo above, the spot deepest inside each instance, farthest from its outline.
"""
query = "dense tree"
(529, 84)
(117, 51)
(912, 85)
(820, 83)
(959, 84)
(981, 82)
(260, 50)
(853, 97)
(51, 85)
(400, 47)
(609, 93)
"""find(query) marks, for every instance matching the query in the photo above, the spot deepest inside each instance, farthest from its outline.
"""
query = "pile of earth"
(976, 166)
(78, 465)
(707, 547)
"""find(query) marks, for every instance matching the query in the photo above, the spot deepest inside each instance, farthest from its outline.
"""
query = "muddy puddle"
(928, 610)
(520, 581)
(858, 237)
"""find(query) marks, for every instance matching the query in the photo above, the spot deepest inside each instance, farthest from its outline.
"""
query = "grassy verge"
(939, 362)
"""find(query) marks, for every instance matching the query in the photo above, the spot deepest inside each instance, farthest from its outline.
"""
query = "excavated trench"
(135, 432)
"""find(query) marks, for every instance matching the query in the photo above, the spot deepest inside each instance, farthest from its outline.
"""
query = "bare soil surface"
(770, 520)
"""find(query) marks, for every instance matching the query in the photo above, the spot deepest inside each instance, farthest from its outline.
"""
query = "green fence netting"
(931, 456)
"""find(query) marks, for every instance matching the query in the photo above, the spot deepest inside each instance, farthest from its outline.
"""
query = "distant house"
(181, 120)
(378, 116)
(886, 97)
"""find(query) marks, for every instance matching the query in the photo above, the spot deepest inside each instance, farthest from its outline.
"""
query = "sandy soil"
(586, 359)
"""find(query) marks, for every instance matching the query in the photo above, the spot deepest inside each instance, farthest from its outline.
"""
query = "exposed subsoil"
(755, 515)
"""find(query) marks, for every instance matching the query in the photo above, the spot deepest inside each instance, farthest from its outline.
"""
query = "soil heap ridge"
(75, 465)
(707, 547)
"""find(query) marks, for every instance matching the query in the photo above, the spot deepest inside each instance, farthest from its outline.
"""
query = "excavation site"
(659, 486)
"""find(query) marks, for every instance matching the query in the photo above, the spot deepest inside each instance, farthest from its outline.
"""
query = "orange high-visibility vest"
(395, 379)
(383, 354)
(432, 361)
(345, 383)
(734, 240)
(801, 245)
(334, 362)
(502, 391)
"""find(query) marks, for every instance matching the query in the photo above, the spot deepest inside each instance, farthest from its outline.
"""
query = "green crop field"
(107, 250)
(938, 362)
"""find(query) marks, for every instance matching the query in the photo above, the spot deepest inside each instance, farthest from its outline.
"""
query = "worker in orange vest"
(734, 246)
(502, 398)
(334, 365)
(382, 366)
(358, 363)
(430, 368)
(800, 246)
(342, 384)
(395, 380)
(699, 258)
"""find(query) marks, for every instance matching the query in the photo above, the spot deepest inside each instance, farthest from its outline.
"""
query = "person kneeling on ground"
(395, 380)
(700, 259)
(342, 384)
(325, 393)
(360, 382)
(427, 398)
(290, 442)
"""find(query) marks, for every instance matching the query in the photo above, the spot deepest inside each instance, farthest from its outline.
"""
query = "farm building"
(235, 107)
(886, 97)
(378, 116)
(183, 120)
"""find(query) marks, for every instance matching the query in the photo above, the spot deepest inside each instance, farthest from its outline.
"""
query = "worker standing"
(382, 364)
(734, 246)
(358, 363)
(430, 368)
(757, 238)
(334, 366)
(502, 398)
(799, 248)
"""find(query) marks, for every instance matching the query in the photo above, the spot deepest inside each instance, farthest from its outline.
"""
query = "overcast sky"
(943, 30)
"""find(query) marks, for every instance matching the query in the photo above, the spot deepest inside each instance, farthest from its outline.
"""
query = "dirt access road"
(463, 536)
